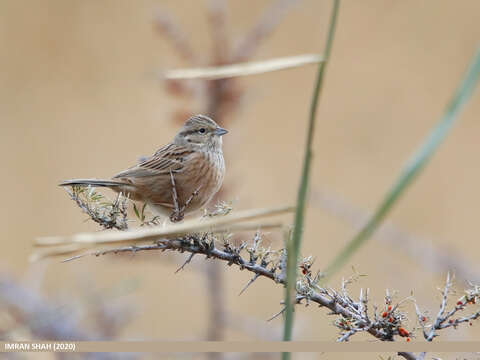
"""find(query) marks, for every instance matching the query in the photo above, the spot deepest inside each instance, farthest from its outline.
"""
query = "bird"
(180, 177)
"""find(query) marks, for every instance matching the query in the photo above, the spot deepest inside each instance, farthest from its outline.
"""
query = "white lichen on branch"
(451, 318)
(109, 214)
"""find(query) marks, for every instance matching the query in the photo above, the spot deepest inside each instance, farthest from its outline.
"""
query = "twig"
(346, 336)
(445, 319)
(110, 215)
(440, 318)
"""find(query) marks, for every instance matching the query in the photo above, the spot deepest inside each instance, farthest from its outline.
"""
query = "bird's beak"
(220, 131)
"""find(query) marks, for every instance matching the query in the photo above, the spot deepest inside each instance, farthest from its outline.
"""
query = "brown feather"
(195, 160)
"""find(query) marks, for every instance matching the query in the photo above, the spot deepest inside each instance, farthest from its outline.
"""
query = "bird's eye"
(202, 131)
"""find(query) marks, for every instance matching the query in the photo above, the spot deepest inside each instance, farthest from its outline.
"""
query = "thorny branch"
(354, 316)
(444, 318)
(110, 215)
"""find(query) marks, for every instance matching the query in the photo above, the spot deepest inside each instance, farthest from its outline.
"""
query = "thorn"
(74, 258)
(249, 283)
(185, 263)
(277, 314)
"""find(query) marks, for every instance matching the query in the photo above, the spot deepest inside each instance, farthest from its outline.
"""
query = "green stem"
(413, 167)
(293, 244)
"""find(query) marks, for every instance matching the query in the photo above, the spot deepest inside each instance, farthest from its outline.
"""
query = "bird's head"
(200, 132)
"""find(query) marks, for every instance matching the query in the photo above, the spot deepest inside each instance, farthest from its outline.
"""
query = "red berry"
(384, 314)
(408, 339)
(450, 321)
(459, 303)
(403, 332)
(389, 307)
(390, 320)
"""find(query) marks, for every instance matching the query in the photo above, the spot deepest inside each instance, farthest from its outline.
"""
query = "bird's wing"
(171, 157)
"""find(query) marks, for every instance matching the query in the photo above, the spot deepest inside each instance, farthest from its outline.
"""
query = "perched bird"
(180, 177)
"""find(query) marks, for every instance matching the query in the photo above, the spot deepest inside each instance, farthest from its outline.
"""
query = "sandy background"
(79, 98)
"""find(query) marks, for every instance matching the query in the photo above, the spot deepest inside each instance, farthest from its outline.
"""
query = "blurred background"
(82, 95)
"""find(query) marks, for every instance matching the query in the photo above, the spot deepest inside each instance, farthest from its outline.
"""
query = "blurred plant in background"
(27, 315)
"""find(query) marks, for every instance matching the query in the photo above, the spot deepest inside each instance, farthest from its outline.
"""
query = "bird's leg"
(179, 212)
(176, 214)
(189, 200)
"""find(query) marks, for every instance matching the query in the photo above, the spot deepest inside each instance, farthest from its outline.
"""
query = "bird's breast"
(203, 174)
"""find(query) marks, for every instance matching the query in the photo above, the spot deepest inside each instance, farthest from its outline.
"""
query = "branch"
(354, 315)
(268, 263)
(446, 319)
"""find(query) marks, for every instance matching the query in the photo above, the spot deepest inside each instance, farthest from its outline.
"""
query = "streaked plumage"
(195, 160)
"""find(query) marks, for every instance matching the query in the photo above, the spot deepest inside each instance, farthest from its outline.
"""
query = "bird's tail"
(91, 182)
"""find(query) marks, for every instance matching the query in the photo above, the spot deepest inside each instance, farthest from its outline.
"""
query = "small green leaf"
(143, 211)
(136, 211)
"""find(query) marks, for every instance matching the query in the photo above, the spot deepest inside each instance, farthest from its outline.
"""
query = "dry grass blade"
(194, 225)
(66, 249)
(243, 69)
(52, 250)
(415, 165)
